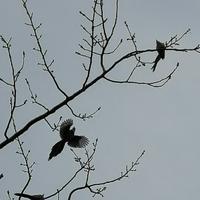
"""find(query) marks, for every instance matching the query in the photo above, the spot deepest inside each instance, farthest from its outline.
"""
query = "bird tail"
(155, 63)
(56, 149)
(153, 67)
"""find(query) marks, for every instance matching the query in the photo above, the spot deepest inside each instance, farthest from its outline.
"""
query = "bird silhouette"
(160, 47)
(32, 197)
(67, 136)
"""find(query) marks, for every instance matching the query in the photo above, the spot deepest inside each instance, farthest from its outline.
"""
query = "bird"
(67, 136)
(160, 47)
(31, 197)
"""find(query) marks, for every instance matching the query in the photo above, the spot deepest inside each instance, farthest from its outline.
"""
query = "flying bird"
(160, 47)
(31, 197)
(67, 136)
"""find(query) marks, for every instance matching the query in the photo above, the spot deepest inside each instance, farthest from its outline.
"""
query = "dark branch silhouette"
(96, 47)
(31, 197)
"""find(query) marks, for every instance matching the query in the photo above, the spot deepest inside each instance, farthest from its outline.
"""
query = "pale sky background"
(163, 121)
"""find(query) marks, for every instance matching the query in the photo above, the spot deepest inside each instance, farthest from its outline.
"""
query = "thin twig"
(98, 191)
(39, 46)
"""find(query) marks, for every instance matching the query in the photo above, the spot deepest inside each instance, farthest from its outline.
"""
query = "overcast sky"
(163, 121)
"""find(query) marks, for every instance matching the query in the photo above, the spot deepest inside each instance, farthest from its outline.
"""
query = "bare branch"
(34, 96)
(82, 167)
(22, 66)
(99, 190)
(85, 115)
(28, 167)
(6, 82)
(40, 49)
(97, 44)
(92, 36)
(55, 125)
(159, 83)
(77, 93)
(7, 45)
(85, 16)
(175, 39)
(104, 75)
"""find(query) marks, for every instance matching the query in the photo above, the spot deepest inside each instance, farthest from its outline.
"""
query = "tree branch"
(80, 91)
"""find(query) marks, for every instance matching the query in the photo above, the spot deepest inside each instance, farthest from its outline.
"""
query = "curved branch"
(159, 83)
(100, 190)
(77, 93)
(85, 115)
(82, 167)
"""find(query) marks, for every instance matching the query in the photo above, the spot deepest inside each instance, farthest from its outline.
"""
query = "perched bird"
(67, 136)
(160, 47)
(32, 197)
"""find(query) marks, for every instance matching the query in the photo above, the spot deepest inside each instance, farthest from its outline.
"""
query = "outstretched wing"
(78, 141)
(56, 149)
(65, 128)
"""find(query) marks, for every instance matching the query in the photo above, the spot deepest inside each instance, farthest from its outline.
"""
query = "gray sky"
(164, 121)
